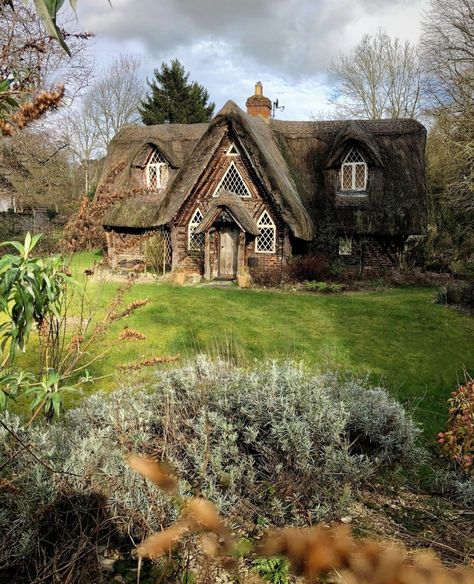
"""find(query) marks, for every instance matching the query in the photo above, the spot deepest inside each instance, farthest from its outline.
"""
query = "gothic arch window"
(232, 181)
(354, 172)
(266, 241)
(195, 240)
(156, 171)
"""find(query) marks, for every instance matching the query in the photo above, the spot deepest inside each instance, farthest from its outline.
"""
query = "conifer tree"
(173, 99)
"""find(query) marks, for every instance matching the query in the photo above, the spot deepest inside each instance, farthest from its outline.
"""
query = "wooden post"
(241, 252)
(207, 256)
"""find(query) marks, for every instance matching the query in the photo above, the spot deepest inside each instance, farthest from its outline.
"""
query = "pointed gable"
(264, 155)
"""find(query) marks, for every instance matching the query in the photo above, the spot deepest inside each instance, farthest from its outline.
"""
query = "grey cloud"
(293, 37)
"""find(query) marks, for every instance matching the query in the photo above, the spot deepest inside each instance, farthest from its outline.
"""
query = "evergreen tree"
(173, 99)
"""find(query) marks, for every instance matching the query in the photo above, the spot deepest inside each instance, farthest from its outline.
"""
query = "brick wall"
(373, 253)
(125, 250)
(261, 265)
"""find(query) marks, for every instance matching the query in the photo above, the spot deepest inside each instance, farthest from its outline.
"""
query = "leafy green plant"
(47, 394)
(275, 570)
(30, 289)
(11, 384)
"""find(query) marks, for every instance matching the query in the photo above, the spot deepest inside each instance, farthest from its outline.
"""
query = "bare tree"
(113, 100)
(448, 52)
(40, 171)
(448, 56)
(33, 60)
(381, 78)
(83, 141)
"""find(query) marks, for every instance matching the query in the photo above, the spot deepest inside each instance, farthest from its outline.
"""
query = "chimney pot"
(258, 104)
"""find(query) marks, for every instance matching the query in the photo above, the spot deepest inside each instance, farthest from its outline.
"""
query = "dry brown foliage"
(160, 544)
(157, 472)
(149, 362)
(84, 230)
(32, 110)
(130, 309)
(313, 553)
(131, 335)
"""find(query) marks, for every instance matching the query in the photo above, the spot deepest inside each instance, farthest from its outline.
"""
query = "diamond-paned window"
(354, 172)
(157, 171)
(345, 246)
(232, 181)
(265, 242)
(195, 240)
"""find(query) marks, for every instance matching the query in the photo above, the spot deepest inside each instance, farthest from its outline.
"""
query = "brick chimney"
(258, 104)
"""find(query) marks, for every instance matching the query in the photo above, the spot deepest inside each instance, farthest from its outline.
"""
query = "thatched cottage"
(247, 191)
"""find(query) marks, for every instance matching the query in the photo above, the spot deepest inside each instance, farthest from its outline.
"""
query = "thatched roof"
(233, 204)
(394, 150)
(296, 163)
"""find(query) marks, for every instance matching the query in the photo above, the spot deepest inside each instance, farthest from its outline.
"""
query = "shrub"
(307, 267)
(457, 293)
(271, 444)
(456, 484)
(457, 443)
(325, 287)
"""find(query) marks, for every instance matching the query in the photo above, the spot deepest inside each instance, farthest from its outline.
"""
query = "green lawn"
(399, 338)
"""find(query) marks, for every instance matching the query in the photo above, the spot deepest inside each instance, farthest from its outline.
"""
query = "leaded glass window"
(232, 181)
(345, 246)
(265, 242)
(354, 172)
(195, 240)
(157, 171)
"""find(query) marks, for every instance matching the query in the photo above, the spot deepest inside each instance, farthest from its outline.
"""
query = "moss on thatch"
(296, 163)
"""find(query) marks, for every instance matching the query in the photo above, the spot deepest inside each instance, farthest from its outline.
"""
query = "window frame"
(229, 150)
(232, 164)
(192, 226)
(345, 251)
(353, 166)
(272, 226)
(157, 166)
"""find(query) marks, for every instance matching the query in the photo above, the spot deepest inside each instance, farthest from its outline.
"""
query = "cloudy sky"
(228, 45)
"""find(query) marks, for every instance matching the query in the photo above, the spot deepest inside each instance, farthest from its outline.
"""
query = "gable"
(295, 165)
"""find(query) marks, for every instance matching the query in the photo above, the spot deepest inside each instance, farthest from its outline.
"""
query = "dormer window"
(354, 172)
(157, 171)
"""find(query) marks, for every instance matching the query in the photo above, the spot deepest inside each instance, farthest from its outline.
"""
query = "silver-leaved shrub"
(274, 444)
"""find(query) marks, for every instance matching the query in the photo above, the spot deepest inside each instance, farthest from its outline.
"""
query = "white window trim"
(156, 166)
(216, 192)
(229, 153)
(193, 224)
(266, 226)
(353, 166)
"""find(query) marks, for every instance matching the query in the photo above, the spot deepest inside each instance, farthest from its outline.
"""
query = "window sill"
(351, 199)
(354, 194)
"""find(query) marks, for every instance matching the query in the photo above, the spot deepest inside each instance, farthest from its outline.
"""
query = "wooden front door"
(228, 249)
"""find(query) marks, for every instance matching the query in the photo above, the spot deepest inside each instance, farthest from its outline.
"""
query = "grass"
(398, 338)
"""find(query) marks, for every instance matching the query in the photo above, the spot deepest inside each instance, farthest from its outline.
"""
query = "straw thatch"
(296, 163)
(234, 205)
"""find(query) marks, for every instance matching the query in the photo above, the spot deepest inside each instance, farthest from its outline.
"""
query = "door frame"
(212, 248)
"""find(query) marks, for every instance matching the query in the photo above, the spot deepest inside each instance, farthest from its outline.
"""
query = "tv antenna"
(277, 107)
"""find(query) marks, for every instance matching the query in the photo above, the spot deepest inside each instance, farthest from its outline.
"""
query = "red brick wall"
(124, 249)
(373, 253)
(265, 264)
